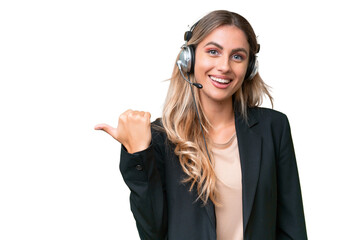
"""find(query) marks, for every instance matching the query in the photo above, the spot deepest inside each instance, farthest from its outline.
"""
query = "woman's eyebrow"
(221, 47)
(214, 43)
(240, 50)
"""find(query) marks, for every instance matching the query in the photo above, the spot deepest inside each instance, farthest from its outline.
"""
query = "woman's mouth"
(220, 80)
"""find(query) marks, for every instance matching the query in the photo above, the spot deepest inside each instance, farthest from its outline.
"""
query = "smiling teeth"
(220, 80)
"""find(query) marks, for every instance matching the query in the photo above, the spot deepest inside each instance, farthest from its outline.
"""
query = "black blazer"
(164, 208)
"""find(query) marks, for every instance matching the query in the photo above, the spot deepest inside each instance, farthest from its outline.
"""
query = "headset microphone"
(198, 85)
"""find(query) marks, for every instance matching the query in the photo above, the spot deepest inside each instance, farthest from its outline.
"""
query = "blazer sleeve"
(142, 173)
(290, 213)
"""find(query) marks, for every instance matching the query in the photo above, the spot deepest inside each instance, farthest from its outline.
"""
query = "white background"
(68, 65)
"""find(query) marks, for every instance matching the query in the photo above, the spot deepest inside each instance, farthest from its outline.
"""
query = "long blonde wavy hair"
(180, 119)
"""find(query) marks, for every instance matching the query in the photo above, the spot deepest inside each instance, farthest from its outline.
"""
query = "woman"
(226, 170)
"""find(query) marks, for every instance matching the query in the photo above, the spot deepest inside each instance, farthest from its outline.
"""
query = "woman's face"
(221, 60)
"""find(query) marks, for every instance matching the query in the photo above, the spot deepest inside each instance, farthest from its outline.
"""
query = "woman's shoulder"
(157, 122)
(157, 130)
(157, 126)
(267, 115)
(266, 112)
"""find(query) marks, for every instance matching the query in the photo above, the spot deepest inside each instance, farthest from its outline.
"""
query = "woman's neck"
(221, 118)
(218, 113)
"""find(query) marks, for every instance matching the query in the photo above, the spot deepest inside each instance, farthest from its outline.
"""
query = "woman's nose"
(223, 64)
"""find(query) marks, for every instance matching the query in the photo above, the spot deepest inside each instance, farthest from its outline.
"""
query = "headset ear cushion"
(192, 58)
(187, 58)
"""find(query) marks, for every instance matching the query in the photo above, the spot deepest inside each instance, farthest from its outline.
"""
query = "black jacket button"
(139, 167)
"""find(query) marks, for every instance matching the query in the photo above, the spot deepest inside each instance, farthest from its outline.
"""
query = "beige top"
(229, 216)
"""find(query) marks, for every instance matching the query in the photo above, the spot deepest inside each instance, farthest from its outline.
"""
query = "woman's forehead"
(227, 36)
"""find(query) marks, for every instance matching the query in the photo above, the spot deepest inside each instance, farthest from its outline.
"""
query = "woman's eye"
(213, 52)
(238, 57)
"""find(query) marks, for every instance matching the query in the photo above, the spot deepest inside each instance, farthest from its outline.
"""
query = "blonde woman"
(216, 165)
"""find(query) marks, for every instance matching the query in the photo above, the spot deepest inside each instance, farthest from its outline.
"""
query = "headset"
(186, 60)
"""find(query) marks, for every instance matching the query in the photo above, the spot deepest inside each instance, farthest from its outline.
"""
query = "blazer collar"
(250, 145)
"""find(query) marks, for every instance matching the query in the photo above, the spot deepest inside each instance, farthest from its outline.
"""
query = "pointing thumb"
(106, 128)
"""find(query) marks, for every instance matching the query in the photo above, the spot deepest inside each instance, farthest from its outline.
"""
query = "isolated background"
(67, 65)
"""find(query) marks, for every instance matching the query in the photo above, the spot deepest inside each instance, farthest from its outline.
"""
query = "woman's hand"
(133, 130)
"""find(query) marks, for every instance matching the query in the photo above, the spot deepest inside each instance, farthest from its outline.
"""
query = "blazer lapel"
(249, 144)
(210, 209)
